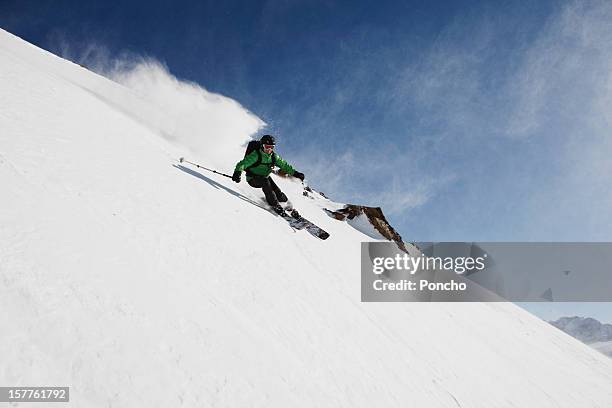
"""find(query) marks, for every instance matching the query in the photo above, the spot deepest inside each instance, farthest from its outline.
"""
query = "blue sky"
(465, 121)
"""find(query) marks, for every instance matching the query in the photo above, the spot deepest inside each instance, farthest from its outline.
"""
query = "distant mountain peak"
(586, 329)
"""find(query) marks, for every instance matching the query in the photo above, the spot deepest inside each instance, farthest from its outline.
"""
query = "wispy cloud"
(512, 130)
(563, 95)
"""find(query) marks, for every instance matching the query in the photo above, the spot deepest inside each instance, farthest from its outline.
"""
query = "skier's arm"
(284, 166)
(247, 161)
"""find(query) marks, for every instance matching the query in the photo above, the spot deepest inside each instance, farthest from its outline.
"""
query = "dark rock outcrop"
(375, 217)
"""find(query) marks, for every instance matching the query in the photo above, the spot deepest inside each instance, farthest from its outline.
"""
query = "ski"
(297, 222)
(300, 223)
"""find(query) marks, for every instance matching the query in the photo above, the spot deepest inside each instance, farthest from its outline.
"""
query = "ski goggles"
(268, 147)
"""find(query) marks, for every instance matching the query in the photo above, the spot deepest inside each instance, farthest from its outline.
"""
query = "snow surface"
(363, 225)
(142, 284)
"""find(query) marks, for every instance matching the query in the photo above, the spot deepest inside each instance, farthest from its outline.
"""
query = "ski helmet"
(267, 140)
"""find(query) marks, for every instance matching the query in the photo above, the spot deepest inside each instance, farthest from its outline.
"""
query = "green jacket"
(265, 167)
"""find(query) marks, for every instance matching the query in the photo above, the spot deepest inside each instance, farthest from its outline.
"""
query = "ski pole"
(182, 159)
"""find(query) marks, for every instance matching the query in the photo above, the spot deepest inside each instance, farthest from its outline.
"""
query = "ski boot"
(278, 209)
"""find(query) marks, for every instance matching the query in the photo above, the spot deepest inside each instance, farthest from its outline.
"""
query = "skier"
(258, 162)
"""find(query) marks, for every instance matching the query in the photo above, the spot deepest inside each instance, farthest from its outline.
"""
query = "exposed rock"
(375, 217)
(309, 192)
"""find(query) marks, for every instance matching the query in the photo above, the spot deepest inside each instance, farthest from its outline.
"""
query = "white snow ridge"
(141, 284)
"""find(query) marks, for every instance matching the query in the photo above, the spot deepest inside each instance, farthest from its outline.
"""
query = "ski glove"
(236, 176)
(299, 175)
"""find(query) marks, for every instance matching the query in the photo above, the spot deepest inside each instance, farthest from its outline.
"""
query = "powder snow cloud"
(209, 124)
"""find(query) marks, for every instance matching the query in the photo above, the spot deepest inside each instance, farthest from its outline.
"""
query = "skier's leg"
(264, 184)
(271, 197)
(279, 194)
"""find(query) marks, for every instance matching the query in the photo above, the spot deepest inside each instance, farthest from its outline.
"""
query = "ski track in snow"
(140, 283)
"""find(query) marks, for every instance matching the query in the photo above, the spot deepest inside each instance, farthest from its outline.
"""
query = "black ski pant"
(272, 192)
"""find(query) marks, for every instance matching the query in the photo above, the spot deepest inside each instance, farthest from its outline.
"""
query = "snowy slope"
(140, 284)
